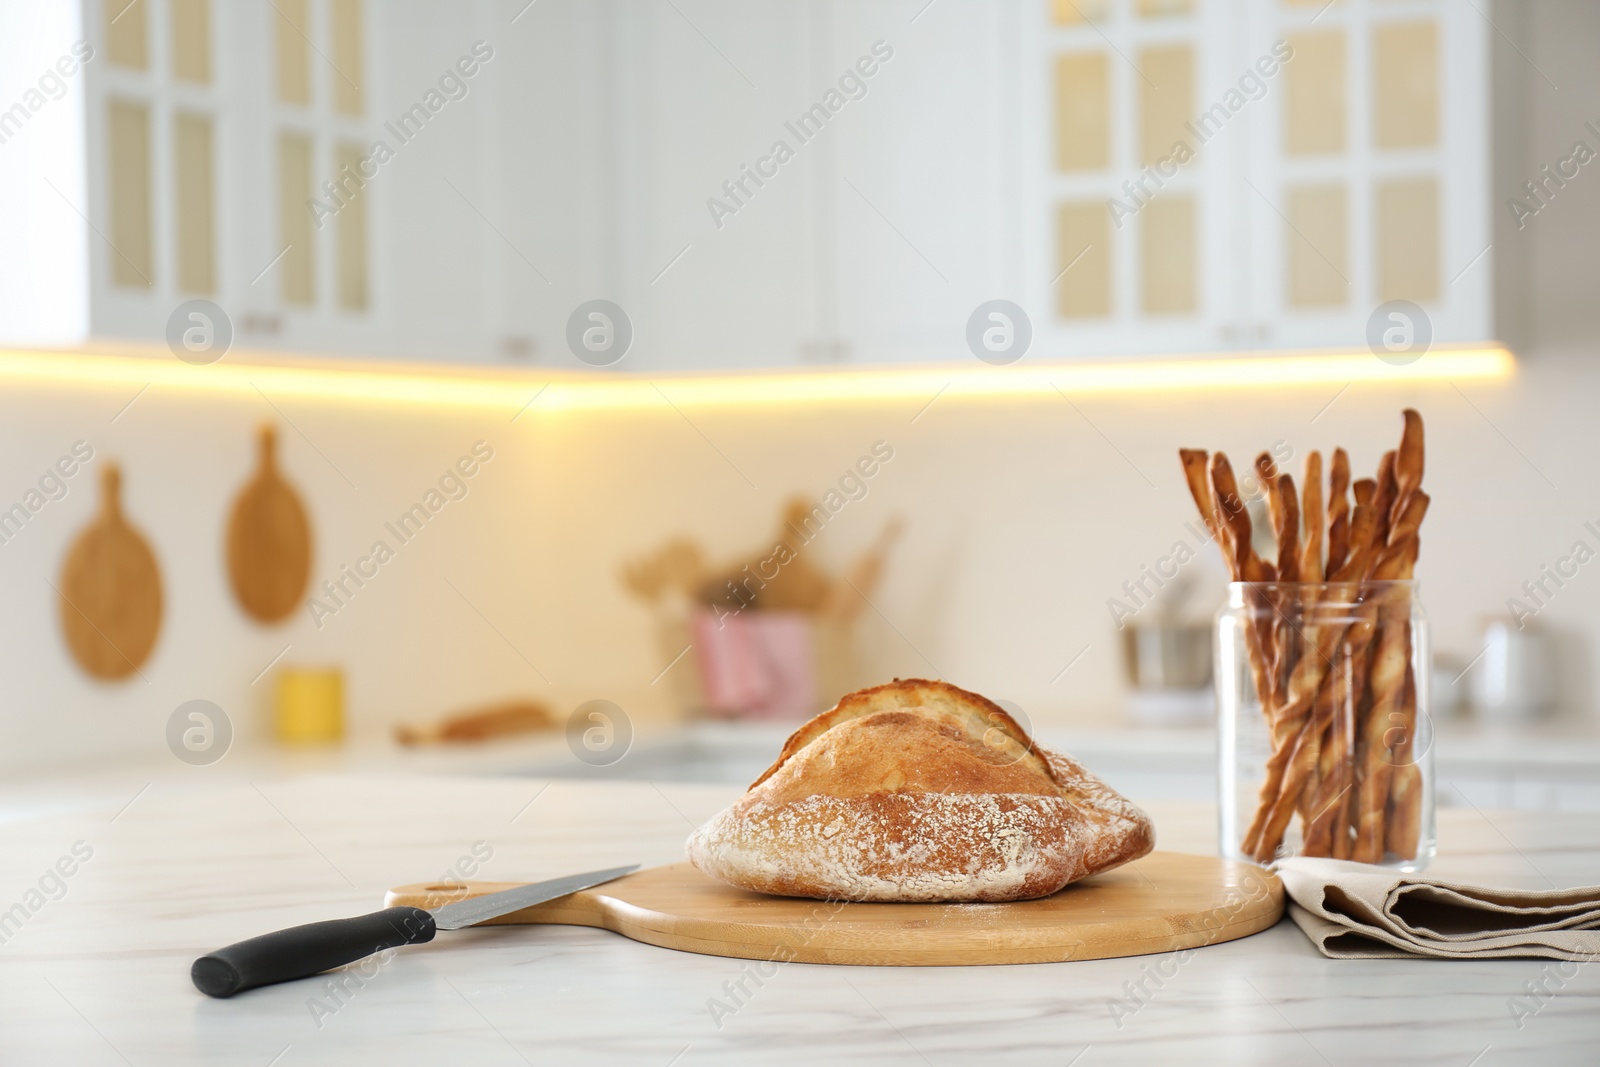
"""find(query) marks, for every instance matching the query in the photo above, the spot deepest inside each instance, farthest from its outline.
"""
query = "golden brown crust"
(919, 791)
(953, 705)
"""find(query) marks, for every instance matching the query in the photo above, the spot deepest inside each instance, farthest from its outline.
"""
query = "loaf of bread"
(919, 791)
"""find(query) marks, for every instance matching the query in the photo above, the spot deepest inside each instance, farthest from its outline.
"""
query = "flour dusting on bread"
(919, 791)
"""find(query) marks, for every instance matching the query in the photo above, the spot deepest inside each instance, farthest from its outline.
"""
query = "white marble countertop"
(99, 973)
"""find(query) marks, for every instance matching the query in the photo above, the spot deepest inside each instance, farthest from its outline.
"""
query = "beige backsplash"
(1022, 519)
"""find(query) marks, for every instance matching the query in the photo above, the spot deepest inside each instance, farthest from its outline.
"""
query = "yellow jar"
(310, 705)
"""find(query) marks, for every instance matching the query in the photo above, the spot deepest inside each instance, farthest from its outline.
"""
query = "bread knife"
(302, 951)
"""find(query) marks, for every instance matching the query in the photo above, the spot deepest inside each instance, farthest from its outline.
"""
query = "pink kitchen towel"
(756, 664)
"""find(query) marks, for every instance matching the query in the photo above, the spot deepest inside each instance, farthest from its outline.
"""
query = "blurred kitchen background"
(1160, 189)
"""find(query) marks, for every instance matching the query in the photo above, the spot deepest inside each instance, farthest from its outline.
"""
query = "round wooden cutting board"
(1164, 902)
(269, 540)
(110, 590)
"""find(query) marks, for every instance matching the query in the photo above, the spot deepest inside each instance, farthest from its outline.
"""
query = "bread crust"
(919, 791)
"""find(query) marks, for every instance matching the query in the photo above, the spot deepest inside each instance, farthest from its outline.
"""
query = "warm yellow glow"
(389, 384)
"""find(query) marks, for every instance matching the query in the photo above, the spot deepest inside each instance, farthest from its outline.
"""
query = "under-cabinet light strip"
(340, 380)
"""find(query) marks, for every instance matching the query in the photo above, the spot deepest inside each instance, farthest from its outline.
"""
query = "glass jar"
(1337, 758)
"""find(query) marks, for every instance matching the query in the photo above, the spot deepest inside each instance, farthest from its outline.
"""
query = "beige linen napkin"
(1355, 911)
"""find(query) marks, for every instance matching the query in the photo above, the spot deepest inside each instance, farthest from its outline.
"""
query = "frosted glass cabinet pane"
(1154, 9)
(129, 175)
(1315, 114)
(191, 40)
(1317, 235)
(1407, 239)
(1167, 249)
(291, 25)
(351, 234)
(1405, 98)
(125, 33)
(1166, 98)
(1070, 12)
(1084, 248)
(298, 285)
(1083, 107)
(194, 206)
(348, 75)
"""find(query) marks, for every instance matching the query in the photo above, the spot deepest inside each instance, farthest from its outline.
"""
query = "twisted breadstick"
(1390, 665)
(1403, 830)
(1363, 552)
(1197, 473)
(1338, 511)
(1408, 459)
(1246, 567)
(1235, 521)
(1286, 526)
(1327, 832)
(1403, 826)
(1194, 472)
(1299, 765)
(1311, 569)
(1384, 497)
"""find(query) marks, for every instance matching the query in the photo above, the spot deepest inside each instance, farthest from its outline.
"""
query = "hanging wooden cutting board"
(1164, 902)
(269, 540)
(110, 593)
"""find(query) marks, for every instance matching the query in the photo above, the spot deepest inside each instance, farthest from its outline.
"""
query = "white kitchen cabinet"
(1370, 170)
(1340, 159)
(228, 152)
(1020, 150)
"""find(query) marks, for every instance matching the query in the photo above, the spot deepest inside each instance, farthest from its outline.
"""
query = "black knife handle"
(302, 951)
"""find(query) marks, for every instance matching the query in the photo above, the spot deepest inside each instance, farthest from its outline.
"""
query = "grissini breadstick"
(1235, 522)
(1284, 508)
(1299, 768)
(1384, 497)
(1302, 761)
(1390, 662)
(1404, 826)
(1329, 824)
(1363, 527)
(1311, 518)
(1349, 680)
(1299, 764)
(1409, 457)
(1344, 840)
(1291, 717)
(1288, 721)
(1311, 570)
(1404, 829)
(1409, 520)
(1194, 472)
(1235, 519)
(1322, 716)
(1286, 526)
(1267, 475)
(1387, 733)
(1388, 685)
(1338, 511)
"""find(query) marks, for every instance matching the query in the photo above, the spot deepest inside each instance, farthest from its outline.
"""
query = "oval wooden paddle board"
(1166, 901)
(110, 590)
(269, 540)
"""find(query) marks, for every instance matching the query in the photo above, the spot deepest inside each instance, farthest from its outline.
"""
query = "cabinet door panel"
(1130, 249)
(1369, 174)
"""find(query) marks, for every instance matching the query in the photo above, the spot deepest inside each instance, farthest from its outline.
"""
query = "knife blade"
(302, 951)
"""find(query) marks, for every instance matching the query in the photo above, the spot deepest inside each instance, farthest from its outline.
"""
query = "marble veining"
(100, 974)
